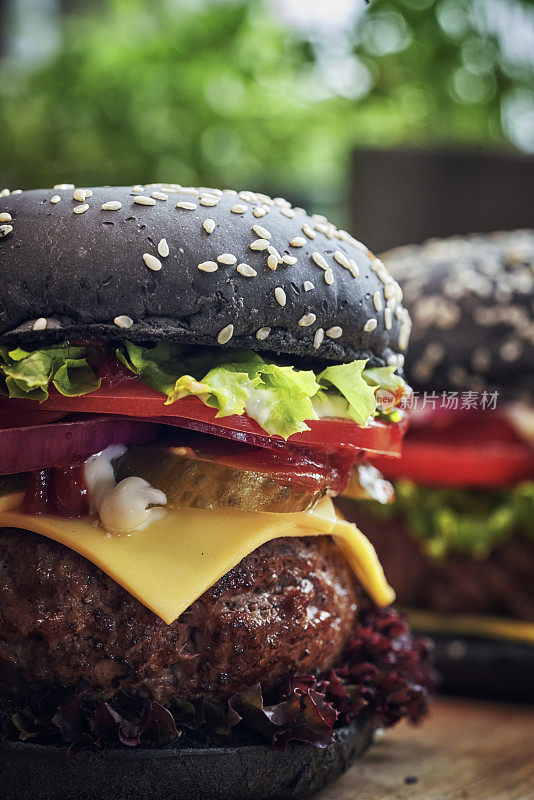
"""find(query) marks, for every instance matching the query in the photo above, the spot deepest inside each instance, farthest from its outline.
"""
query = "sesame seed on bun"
(194, 265)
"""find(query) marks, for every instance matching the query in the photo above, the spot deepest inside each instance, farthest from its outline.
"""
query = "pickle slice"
(190, 482)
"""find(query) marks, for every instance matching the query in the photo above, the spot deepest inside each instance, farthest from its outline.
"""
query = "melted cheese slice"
(169, 564)
(472, 625)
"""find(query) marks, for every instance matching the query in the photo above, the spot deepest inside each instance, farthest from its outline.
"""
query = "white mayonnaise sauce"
(122, 507)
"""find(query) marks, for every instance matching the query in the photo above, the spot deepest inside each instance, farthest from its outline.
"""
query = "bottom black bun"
(254, 772)
(484, 667)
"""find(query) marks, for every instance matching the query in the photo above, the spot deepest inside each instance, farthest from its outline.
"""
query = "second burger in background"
(458, 542)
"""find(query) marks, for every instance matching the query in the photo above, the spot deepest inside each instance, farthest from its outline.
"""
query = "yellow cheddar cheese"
(514, 630)
(169, 564)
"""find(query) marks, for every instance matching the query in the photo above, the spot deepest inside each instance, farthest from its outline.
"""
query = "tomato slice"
(486, 464)
(134, 399)
(472, 426)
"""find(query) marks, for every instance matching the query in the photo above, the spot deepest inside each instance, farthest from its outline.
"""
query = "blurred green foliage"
(156, 91)
(438, 70)
(220, 93)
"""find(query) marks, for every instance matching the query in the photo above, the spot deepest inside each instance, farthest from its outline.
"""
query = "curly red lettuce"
(384, 675)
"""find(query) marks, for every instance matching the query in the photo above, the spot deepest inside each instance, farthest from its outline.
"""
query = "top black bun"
(71, 271)
(472, 301)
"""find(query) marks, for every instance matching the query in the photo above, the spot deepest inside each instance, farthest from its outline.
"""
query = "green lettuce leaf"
(350, 382)
(75, 377)
(280, 398)
(277, 397)
(155, 366)
(289, 393)
(226, 386)
(384, 378)
(28, 374)
(223, 389)
(470, 522)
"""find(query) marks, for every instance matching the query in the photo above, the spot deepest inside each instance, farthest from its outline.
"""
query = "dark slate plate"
(256, 772)
(484, 667)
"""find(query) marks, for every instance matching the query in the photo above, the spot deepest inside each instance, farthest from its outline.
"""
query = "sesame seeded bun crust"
(471, 300)
(202, 267)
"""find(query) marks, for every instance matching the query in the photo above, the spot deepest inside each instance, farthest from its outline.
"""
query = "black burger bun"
(240, 772)
(92, 264)
(471, 300)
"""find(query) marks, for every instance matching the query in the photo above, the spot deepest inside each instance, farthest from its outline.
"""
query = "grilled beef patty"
(288, 607)
(500, 584)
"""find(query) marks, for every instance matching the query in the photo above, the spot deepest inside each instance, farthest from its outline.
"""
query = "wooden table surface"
(465, 750)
